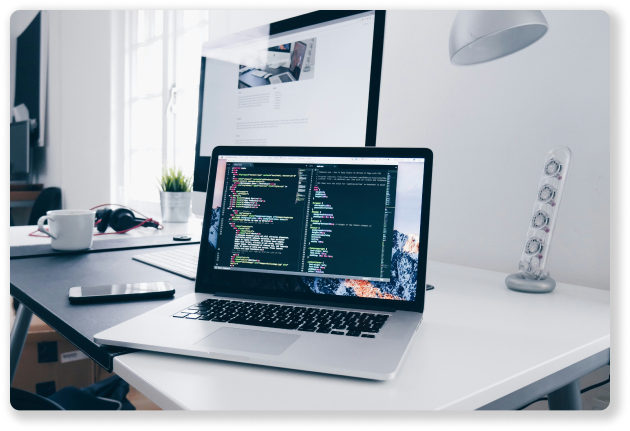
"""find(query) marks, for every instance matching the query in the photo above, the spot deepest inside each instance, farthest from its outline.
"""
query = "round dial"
(552, 167)
(540, 219)
(546, 193)
(534, 246)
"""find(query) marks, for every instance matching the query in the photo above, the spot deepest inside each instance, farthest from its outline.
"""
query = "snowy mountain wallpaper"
(403, 279)
(404, 265)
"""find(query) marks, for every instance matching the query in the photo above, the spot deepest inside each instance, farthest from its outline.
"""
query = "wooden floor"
(139, 401)
(593, 400)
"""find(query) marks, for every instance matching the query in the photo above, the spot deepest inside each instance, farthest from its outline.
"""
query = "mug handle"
(40, 225)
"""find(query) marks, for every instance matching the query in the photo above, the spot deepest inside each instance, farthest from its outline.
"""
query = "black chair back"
(48, 200)
(22, 400)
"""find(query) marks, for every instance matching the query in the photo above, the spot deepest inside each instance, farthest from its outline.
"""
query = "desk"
(25, 192)
(253, 81)
(480, 345)
(23, 196)
(79, 323)
(18, 235)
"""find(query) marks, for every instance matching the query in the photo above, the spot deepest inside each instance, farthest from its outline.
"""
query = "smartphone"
(120, 292)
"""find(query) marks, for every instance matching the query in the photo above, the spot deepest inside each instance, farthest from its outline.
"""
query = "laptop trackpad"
(247, 340)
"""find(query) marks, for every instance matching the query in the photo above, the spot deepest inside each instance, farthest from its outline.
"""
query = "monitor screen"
(343, 226)
(312, 80)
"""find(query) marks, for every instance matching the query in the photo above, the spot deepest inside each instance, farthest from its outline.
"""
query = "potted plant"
(175, 196)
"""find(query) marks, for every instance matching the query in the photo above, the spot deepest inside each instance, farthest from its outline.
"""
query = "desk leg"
(18, 335)
(566, 398)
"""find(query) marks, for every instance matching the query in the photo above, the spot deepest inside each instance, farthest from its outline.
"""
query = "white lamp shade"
(478, 36)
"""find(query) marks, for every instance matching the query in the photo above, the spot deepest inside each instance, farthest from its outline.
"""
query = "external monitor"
(333, 100)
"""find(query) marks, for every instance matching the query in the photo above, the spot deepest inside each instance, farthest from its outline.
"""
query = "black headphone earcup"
(105, 216)
(123, 219)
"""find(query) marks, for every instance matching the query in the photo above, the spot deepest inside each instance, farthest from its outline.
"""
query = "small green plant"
(175, 181)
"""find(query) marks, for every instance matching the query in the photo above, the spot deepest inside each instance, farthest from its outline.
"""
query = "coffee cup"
(69, 229)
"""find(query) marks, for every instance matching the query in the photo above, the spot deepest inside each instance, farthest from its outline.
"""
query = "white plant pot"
(176, 206)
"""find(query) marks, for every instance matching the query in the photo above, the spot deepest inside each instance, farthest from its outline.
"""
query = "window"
(162, 64)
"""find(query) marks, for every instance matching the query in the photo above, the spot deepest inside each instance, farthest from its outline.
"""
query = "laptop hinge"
(303, 301)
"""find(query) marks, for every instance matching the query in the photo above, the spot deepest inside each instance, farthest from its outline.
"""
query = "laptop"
(311, 259)
(295, 66)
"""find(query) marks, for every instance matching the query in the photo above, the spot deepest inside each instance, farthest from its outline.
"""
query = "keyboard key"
(307, 319)
(278, 325)
(367, 336)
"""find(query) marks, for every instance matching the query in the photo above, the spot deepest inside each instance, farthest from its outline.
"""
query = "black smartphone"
(120, 292)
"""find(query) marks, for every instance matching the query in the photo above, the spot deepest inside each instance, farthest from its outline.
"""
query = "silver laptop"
(311, 259)
(295, 66)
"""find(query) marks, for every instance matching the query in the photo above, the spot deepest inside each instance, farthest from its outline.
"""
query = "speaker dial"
(534, 246)
(553, 167)
(546, 193)
(540, 220)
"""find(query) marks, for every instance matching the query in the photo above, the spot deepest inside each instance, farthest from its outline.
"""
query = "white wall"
(85, 82)
(77, 153)
(490, 126)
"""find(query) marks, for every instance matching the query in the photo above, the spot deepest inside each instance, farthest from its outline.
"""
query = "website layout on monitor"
(306, 87)
(344, 226)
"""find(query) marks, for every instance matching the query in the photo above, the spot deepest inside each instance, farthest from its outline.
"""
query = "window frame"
(171, 32)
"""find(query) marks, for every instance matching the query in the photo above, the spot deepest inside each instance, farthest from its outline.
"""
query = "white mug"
(69, 229)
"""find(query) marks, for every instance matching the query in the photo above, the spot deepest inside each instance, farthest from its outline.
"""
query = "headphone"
(121, 220)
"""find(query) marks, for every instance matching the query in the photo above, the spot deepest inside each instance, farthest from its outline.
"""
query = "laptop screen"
(297, 57)
(345, 226)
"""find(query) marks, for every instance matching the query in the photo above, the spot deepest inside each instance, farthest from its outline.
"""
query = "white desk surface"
(478, 342)
(19, 235)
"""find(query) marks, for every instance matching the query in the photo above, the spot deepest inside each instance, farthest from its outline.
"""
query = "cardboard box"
(49, 362)
(100, 374)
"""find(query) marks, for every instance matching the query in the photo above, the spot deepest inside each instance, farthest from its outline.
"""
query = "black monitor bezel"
(206, 281)
(202, 164)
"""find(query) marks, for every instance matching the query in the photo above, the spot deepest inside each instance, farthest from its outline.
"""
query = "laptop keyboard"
(321, 320)
(284, 78)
